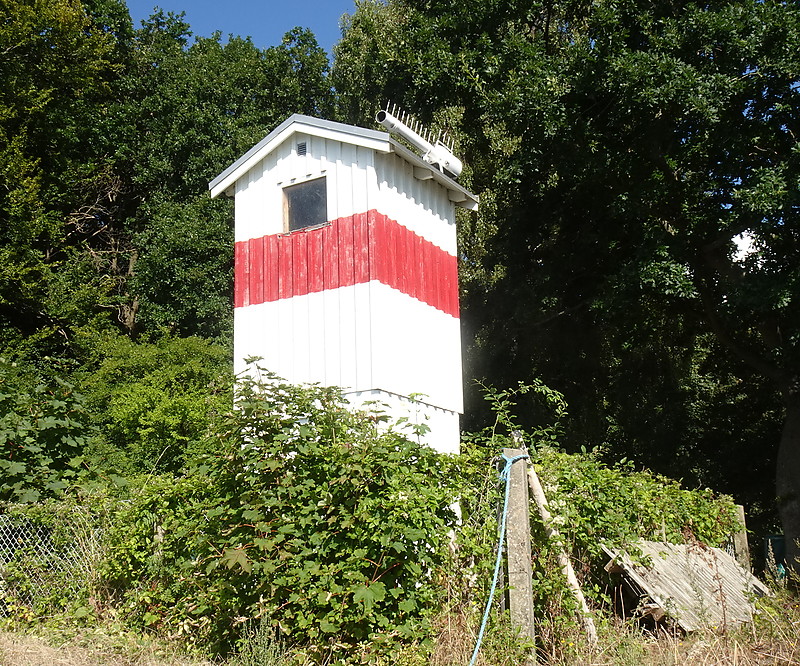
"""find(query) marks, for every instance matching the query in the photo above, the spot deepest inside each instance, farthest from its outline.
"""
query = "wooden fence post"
(741, 551)
(518, 547)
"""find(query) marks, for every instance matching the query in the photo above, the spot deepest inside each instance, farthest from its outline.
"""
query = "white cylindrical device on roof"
(437, 153)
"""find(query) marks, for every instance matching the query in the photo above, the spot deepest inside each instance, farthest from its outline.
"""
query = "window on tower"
(305, 204)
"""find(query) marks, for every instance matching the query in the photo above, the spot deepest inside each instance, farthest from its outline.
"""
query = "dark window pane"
(306, 204)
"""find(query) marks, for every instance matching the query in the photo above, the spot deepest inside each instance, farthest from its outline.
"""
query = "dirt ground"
(24, 650)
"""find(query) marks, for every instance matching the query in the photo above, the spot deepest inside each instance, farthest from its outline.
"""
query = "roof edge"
(374, 138)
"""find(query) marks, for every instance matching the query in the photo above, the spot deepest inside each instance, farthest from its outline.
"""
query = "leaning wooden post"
(563, 559)
(518, 547)
(741, 551)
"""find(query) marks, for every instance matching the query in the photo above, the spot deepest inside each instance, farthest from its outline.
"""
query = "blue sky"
(264, 20)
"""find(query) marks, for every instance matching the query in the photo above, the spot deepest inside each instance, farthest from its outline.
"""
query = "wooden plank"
(419, 268)
(284, 267)
(271, 280)
(316, 281)
(241, 270)
(553, 534)
(346, 251)
(741, 549)
(362, 249)
(330, 251)
(403, 268)
(376, 224)
(299, 263)
(256, 257)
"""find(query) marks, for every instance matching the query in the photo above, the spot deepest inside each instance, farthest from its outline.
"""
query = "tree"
(184, 112)
(54, 69)
(109, 136)
(621, 150)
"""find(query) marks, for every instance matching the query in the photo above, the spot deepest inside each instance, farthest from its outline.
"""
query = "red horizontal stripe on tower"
(241, 289)
(350, 250)
(271, 287)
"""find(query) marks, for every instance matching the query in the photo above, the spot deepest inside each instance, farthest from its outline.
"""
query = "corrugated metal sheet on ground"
(695, 585)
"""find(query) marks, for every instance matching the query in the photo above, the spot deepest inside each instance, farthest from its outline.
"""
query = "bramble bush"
(43, 432)
(318, 520)
(593, 504)
(336, 529)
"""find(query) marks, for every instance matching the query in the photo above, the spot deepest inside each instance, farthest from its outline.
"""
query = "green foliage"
(592, 504)
(185, 274)
(259, 647)
(54, 69)
(153, 403)
(309, 517)
(596, 504)
(108, 138)
(619, 149)
(184, 111)
(43, 432)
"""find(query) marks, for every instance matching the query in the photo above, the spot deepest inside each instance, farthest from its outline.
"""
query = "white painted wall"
(444, 435)
(364, 336)
(351, 182)
(369, 339)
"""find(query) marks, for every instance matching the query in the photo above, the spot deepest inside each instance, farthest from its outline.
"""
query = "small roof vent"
(301, 148)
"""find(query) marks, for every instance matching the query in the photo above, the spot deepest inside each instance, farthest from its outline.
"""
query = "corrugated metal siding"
(369, 302)
(360, 337)
(351, 250)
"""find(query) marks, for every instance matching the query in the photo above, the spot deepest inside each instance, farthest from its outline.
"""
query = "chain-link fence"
(45, 561)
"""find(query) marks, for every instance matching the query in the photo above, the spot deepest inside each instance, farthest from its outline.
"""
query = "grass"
(773, 639)
(260, 648)
(95, 648)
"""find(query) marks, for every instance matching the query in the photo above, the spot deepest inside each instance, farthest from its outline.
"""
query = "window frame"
(287, 222)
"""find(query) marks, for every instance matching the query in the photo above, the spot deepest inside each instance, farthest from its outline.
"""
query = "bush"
(593, 505)
(309, 516)
(153, 402)
(42, 434)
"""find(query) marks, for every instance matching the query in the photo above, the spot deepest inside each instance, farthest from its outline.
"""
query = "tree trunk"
(788, 480)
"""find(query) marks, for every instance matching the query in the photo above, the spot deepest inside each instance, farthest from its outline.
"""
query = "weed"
(260, 647)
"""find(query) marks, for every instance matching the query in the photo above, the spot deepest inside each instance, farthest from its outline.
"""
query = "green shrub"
(153, 402)
(309, 516)
(592, 504)
(42, 434)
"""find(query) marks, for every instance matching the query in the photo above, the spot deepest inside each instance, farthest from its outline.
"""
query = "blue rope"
(505, 475)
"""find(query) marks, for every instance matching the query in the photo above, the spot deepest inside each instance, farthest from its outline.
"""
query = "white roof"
(328, 129)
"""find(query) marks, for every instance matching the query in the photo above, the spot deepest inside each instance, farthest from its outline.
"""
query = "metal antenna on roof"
(437, 151)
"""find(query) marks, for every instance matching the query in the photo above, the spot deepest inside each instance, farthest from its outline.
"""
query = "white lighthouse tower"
(346, 266)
